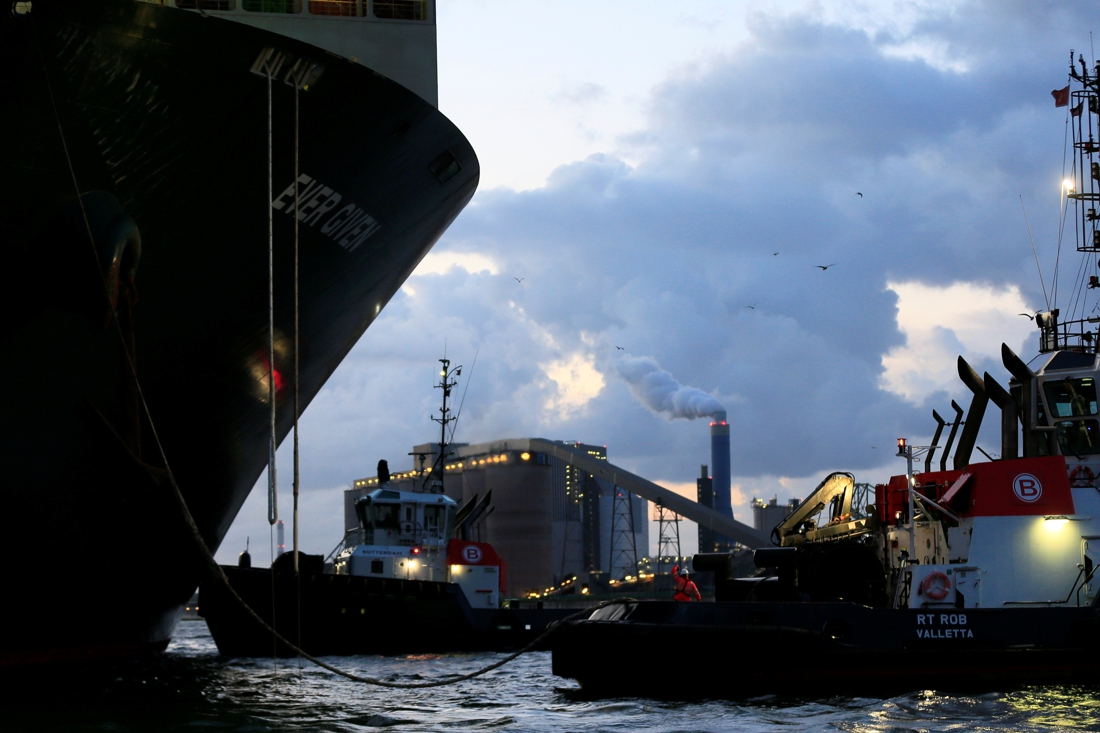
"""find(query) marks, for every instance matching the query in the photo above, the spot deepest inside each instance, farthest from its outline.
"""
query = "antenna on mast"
(447, 381)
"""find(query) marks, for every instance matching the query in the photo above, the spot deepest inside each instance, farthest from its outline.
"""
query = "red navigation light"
(416, 550)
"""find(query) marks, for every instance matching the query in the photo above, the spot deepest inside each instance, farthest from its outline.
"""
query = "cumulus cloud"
(577, 383)
(943, 322)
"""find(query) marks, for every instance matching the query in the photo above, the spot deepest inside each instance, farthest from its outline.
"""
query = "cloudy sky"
(652, 169)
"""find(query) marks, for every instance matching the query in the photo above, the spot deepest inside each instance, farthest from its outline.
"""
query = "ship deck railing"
(1082, 334)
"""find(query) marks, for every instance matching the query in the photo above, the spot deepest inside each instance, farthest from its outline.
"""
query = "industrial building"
(548, 519)
(767, 515)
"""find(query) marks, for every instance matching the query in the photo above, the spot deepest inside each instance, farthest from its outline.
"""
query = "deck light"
(1069, 184)
(1055, 523)
(525, 456)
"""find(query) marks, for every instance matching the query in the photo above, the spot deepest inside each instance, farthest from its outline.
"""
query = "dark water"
(191, 688)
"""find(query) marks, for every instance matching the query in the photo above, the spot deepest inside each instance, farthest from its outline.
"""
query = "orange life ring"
(1083, 474)
(940, 589)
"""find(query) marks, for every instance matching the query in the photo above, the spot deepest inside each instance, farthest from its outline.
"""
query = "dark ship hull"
(165, 133)
(326, 614)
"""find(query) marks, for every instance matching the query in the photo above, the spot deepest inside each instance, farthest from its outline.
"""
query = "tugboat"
(408, 580)
(979, 576)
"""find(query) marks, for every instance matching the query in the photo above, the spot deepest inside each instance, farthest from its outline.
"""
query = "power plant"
(559, 512)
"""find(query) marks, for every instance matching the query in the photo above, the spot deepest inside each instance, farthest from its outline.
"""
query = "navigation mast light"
(901, 446)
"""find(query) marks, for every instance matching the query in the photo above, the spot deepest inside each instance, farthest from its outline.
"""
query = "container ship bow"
(135, 221)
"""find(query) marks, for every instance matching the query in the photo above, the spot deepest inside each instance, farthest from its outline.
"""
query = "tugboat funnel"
(940, 422)
(1010, 443)
(974, 417)
(951, 435)
(1033, 439)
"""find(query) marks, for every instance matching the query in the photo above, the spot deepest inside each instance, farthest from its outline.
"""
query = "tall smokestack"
(720, 462)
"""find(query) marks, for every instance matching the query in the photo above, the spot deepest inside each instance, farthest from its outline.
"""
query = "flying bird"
(859, 194)
(752, 307)
(620, 348)
(1027, 315)
(826, 267)
(519, 279)
(774, 254)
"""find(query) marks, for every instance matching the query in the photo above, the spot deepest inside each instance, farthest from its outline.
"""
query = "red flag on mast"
(1076, 111)
(1061, 97)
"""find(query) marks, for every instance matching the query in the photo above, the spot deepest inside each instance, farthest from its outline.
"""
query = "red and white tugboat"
(984, 575)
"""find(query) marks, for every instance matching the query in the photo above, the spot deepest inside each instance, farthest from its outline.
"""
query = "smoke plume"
(660, 392)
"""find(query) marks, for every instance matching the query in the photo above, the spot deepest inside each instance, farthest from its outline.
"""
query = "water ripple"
(191, 688)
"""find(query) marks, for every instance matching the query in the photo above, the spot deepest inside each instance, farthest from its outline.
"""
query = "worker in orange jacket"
(686, 590)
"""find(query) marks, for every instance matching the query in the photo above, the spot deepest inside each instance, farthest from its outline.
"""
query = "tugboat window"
(344, 8)
(205, 4)
(386, 516)
(272, 6)
(1071, 397)
(400, 9)
(433, 517)
(1079, 437)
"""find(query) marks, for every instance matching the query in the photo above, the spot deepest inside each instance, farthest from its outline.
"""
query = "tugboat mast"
(447, 381)
(1081, 191)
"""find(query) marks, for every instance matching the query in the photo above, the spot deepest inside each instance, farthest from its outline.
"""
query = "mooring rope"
(272, 496)
(297, 341)
(215, 570)
(272, 477)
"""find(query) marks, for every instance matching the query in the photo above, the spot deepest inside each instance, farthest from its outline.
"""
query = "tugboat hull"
(732, 650)
(343, 615)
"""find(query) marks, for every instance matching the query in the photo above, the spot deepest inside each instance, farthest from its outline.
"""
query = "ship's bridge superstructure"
(396, 38)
